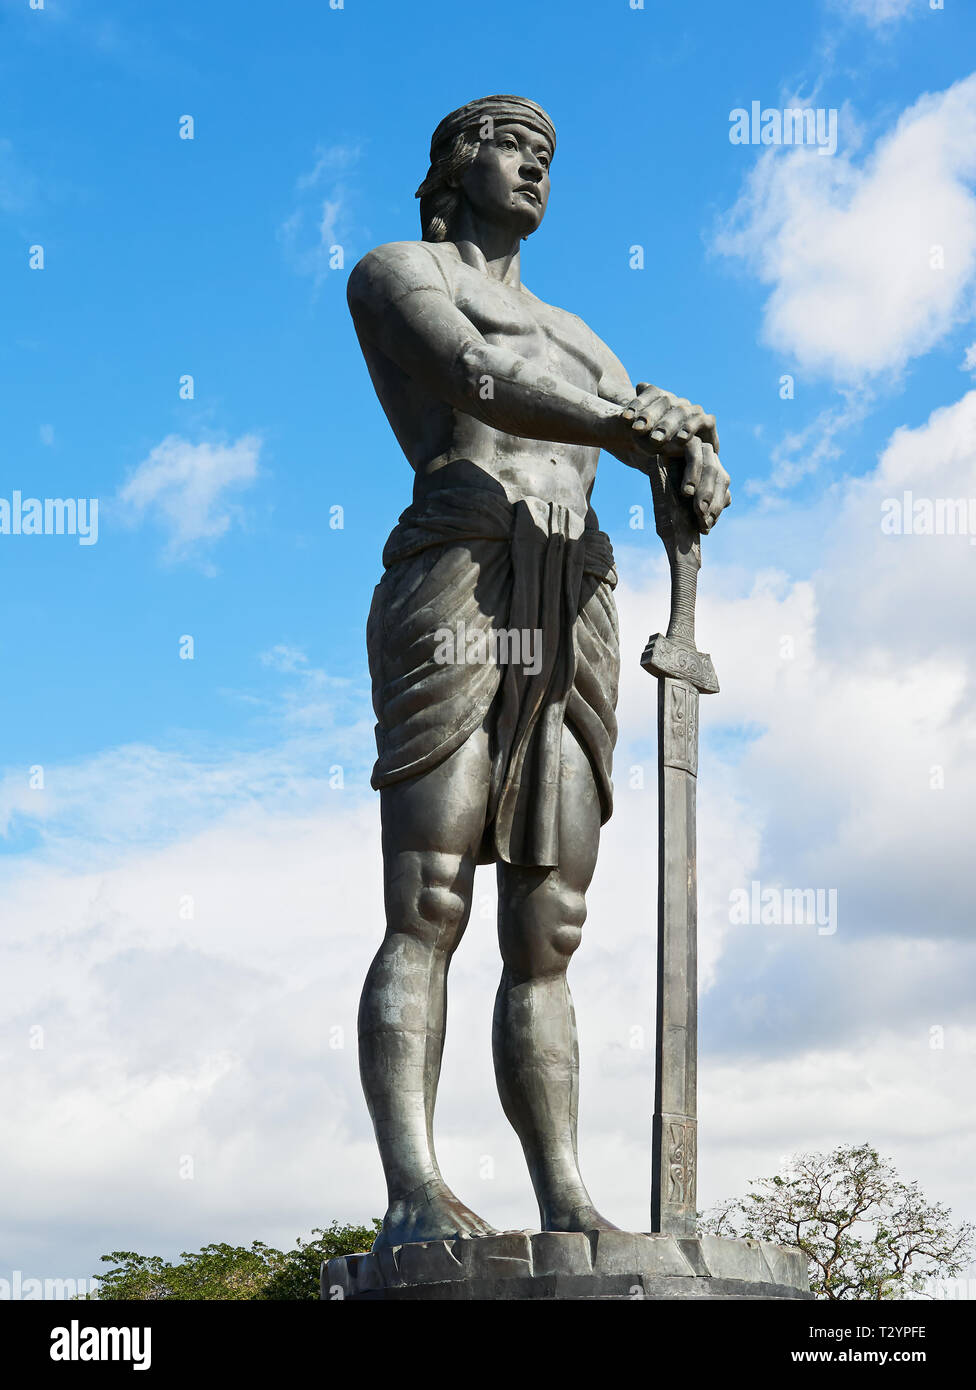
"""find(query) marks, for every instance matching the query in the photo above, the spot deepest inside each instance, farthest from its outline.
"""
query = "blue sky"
(165, 256)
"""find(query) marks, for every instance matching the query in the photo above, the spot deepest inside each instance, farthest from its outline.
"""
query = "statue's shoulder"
(396, 268)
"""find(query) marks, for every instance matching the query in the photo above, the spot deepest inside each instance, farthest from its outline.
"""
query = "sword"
(683, 673)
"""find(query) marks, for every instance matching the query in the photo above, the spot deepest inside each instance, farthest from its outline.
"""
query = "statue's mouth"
(529, 192)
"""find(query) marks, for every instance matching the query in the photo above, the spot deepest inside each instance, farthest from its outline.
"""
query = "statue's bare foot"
(430, 1212)
(581, 1218)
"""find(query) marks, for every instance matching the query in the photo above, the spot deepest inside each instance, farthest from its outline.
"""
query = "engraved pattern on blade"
(681, 1163)
(681, 727)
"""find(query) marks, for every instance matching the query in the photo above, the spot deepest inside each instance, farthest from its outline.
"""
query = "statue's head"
(494, 154)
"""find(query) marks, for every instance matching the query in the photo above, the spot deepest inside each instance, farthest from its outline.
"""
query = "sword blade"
(674, 1137)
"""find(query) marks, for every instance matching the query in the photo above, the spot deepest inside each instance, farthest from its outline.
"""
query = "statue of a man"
(501, 404)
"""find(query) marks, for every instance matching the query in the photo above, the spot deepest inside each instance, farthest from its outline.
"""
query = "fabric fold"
(469, 562)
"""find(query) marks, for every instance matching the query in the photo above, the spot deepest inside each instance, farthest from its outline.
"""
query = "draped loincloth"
(467, 559)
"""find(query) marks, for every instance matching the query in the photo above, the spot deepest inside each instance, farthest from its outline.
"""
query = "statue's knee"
(442, 906)
(432, 905)
(540, 936)
(565, 938)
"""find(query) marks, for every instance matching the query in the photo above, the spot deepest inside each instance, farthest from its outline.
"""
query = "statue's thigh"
(443, 811)
(544, 900)
(579, 814)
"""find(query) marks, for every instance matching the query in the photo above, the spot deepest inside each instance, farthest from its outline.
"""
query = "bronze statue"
(501, 404)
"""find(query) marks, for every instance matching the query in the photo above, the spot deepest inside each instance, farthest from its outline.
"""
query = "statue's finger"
(669, 424)
(648, 414)
(720, 500)
(707, 485)
(646, 394)
(639, 408)
(693, 423)
(693, 467)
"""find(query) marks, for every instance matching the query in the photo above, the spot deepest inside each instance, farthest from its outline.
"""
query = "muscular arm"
(399, 302)
(615, 386)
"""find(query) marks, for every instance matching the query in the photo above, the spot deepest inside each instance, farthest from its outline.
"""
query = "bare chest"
(546, 336)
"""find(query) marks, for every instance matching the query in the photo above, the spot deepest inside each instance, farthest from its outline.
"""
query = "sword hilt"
(675, 653)
(685, 561)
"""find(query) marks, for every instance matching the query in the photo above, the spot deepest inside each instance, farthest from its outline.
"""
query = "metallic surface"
(495, 396)
(605, 1265)
(683, 672)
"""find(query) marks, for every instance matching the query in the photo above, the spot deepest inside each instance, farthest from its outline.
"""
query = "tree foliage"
(867, 1234)
(230, 1272)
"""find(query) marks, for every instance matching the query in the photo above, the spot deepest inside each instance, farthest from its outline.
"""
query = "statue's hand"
(696, 481)
(670, 431)
(705, 483)
(668, 421)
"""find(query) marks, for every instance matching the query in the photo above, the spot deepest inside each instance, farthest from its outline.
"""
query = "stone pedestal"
(589, 1265)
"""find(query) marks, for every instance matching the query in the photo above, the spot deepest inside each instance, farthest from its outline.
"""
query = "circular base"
(608, 1265)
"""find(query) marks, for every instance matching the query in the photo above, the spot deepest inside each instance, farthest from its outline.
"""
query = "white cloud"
(285, 658)
(322, 220)
(137, 795)
(851, 249)
(329, 225)
(184, 487)
(877, 13)
(314, 696)
(328, 159)
(801, 452)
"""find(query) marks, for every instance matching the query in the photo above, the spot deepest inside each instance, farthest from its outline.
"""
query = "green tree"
(867, 1234)
(229, 1272)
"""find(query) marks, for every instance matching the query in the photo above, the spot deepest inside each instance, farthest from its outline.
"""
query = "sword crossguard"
(665, 658)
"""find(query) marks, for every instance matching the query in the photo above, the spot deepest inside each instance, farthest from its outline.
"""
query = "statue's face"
(508, 181)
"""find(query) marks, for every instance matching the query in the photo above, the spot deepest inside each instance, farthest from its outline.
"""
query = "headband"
(502, 110)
